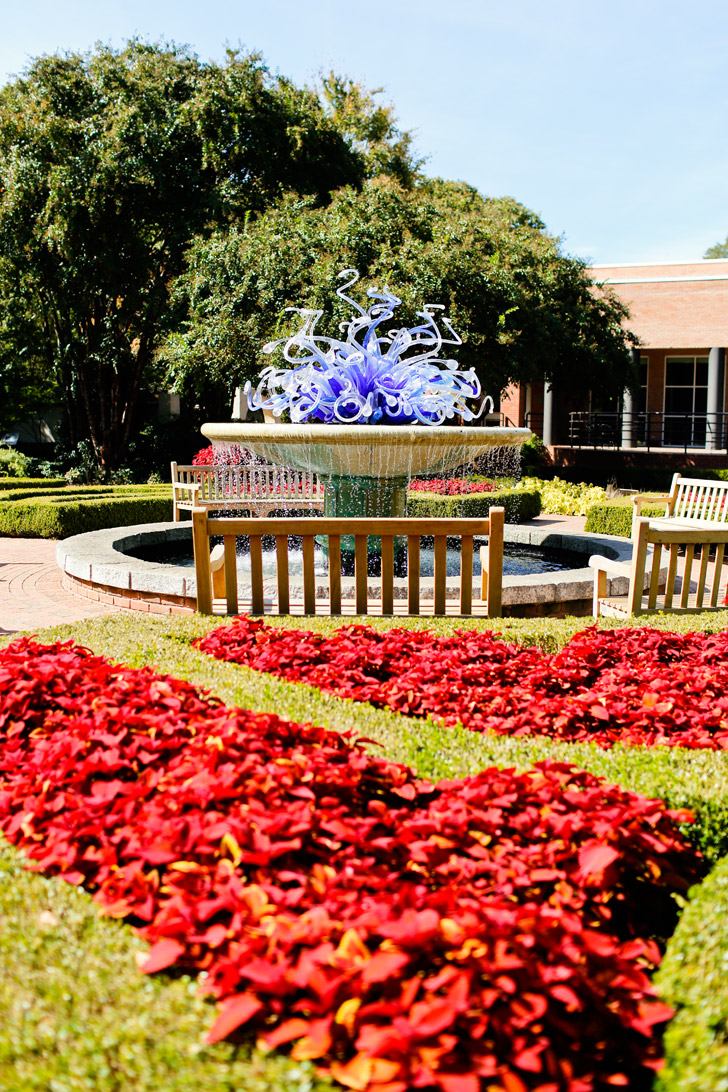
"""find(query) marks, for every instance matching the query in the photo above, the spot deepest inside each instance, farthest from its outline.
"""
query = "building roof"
(673, 305)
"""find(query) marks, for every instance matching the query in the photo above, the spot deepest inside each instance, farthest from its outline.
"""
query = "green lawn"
(76, 1015)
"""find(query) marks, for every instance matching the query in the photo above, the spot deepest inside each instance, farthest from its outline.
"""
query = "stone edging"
(95, 566)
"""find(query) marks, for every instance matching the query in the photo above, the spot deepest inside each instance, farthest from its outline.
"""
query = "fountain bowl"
(368, 451)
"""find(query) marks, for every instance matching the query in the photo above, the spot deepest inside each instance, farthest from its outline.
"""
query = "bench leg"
(600, 590)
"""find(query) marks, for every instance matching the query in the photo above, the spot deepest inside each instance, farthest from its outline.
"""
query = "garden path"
(32, 595)
(31, 592)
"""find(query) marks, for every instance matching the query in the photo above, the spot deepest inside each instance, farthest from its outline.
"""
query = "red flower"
(451, 486)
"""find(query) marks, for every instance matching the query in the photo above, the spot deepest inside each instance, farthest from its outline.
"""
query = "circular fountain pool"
(116, 566)
(518, 558)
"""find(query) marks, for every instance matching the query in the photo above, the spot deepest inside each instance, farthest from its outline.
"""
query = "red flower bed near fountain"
(492, 932)
(629, 686)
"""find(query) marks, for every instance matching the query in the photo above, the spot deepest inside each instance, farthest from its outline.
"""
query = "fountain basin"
(369, 451)
(97, 566)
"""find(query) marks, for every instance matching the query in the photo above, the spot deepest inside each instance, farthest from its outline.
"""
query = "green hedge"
(693, 979)
(63, 516)
(615, 518)
(520, 505)
(84, 492)
(31, 483)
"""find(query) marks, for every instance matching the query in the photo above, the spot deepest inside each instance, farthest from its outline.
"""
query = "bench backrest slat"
(228, 484)
(699, 501)
(334, 575)
(386, 530)
(413, 574)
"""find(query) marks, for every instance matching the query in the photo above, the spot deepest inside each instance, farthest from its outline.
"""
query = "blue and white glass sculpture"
(391, 377)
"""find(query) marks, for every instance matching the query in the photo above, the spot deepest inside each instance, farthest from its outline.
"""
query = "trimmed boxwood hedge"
(84, 492)
(693, 979)
(615, 518)
(27, 483)
(36, 513)
(520, 505)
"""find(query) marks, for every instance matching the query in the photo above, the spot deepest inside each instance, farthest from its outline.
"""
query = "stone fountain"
(368, 413)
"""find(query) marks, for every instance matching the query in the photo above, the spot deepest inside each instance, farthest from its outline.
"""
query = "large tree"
(524, 309)
(110, 163)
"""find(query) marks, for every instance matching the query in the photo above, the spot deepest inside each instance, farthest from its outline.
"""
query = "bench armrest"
(186, 487)
(650, 498)
(608, 565)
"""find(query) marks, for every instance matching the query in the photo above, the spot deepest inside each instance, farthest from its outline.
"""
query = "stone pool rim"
(95, 566)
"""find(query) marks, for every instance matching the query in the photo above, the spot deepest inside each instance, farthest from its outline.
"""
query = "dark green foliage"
(520, 505)
(615, 518)
(536, 461)
(718, 250)
(519, 304)
(110, 163)
(694, 979)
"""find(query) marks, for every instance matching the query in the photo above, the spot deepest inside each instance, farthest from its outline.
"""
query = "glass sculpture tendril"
(374, 376)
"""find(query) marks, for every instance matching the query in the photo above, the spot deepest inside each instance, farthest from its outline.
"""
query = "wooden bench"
(674, 588)
(311, 528)
(259, 490)
(691, 503)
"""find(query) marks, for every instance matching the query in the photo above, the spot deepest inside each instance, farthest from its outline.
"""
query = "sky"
(606, 118)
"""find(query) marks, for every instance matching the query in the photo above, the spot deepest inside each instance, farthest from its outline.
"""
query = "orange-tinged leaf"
(186, 866)
(512, 1082)
(316, 1043)
(255, 899)
(452, 931)
(346, 1013)
(238, 1010)
(384, 1070)
(162, 954)
(285, 1033)
(383, 965)
(229, 845)
(355, 1074)
(352, 948)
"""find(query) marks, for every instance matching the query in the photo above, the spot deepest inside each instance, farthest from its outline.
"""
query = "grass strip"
(77, 1016)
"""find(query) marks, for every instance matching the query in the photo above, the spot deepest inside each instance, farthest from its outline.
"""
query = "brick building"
(679, 311)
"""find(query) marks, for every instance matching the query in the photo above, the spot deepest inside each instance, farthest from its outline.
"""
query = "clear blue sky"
(608, 118)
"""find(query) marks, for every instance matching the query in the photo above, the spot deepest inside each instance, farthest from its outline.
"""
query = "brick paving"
(31, 593)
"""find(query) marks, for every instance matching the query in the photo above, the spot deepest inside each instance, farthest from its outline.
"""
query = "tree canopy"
(718, 250)
(110, 163)
(523, 308)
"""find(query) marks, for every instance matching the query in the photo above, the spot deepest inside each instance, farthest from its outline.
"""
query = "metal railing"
(534, 421)
(649, 429)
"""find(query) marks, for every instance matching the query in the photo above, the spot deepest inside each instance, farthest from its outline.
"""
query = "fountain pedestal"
(368, 497)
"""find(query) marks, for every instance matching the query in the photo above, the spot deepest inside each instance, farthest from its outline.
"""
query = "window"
(686, 394)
